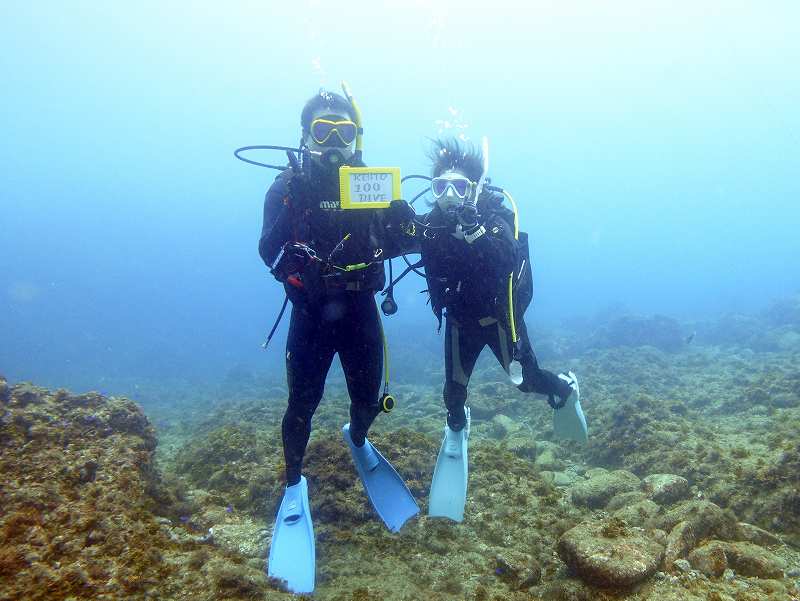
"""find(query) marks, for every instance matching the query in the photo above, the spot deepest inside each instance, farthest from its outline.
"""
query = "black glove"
(467, 216)
(300, 192)
(293, 261)
(399, 213)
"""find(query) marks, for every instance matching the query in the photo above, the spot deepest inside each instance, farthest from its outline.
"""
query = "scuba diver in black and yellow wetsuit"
(480, 281)
(330, 262)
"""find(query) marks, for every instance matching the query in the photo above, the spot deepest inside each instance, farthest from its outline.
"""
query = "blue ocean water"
(653, 148)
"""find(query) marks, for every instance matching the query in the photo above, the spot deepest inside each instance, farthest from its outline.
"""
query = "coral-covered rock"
(78, 489)
(74, 471)
(243, 537)
(519, 572)
(546, 460)
(665, 489)
(4, 390)
(625, 499)
(501, 426)
(706, 518)
(758, 536)
(570, 589)
(638, 514)
(610, 553)
(746, 559)
(680, 541)
(601, 487)
(710, 559)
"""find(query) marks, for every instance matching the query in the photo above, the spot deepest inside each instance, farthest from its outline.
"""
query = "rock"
(728, 575)
(756, 535)
(601, 487)
(610, 553)
(680, 541)
(659, 536)
(4, 390)
(744, 558)
(548, 477)
(501, 426)
(710, 559)
(517, 571)
(638, 514)
(683, 565)
(707, 519)
(532, 577)
(76, 514)
(244, 538)
(547, 461)
(506, 569)
(24, 394)
(564, 479)
(567, 590)
(521, 445)
(665, 489)
(486, 405)
(775, 589)
(595, 471)
(748, 559)
(624, 499)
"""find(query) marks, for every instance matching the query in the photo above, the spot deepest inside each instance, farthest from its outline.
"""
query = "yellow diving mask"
(323, 129)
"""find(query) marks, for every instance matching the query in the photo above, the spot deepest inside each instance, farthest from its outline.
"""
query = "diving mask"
(451, 184)
(322, 131)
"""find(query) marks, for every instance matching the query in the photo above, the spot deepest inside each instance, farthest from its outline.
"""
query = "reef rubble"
(689, 487)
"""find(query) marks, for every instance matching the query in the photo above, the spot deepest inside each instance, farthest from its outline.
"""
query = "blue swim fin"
(292, 555)
(389, 495)
(449, 486)
(569, 422)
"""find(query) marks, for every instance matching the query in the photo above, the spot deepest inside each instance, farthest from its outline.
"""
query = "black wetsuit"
(468, 283)
(334, 311)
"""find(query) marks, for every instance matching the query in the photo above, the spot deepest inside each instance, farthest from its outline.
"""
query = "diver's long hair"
(452, 155)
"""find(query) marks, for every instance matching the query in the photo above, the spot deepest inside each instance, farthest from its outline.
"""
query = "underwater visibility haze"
(653, 151)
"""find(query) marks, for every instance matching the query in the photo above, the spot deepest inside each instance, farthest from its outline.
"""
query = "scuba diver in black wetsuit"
(469, 251)
(330, 261)
(479, 279)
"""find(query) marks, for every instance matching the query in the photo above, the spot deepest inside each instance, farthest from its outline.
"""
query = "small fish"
(229, 509)
(690, 337)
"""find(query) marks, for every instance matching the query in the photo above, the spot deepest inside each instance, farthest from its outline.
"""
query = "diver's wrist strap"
(470, 237)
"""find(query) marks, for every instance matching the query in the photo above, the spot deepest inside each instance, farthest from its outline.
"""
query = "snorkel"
(468, 211)
(357, 118)
(482, 180)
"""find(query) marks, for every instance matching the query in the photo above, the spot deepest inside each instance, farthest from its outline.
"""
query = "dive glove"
(399, 212)
(300, 192)
(467, 215)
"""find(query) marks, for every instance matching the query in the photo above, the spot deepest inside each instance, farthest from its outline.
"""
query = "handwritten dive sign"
(368, 187)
